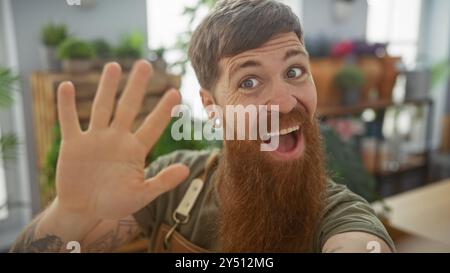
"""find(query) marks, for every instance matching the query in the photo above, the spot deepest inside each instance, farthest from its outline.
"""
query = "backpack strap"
(181, 214)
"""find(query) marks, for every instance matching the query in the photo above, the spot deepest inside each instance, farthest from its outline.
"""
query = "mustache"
(298, 116)
(268, 122)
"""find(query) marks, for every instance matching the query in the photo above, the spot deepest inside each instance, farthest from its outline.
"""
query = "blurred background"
(381, 68)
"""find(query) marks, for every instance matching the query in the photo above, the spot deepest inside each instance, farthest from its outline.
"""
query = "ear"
(207, 97)
(207, 100)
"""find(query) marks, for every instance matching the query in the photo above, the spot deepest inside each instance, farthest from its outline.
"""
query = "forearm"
(52, 230)
(109, 235)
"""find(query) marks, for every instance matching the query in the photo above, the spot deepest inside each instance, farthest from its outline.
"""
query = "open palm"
(100, 171)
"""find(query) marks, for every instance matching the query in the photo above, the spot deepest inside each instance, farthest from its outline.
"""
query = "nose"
(283, 96)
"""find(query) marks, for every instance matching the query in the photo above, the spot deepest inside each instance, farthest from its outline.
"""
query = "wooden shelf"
(415, 162)
(339, 110)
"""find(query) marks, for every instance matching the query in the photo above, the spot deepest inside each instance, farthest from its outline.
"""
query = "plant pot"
(324, 71)
(388, 77)
(350, 97)
(373, 70)
(50, 59)
(77, 66)
(160, 64)
(99, 63)
(126, 63)
(417, 84)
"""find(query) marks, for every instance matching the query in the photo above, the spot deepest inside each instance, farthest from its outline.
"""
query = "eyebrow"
(249, 63)
(294, 52)
(252, 63)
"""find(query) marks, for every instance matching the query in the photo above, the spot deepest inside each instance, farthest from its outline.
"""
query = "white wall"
(318, 19)
(434, 46)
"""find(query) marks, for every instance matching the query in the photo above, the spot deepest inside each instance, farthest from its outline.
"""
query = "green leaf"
(8, 144)
(53, 35)
(102, 48)
(349, 77)
(166, 144)
(73, 48)
(131, 46)
(439, 72)
(8, 84)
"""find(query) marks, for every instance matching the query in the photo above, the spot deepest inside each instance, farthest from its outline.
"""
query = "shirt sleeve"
(346, 211)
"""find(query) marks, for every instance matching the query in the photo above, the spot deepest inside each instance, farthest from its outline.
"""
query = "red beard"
(269, 205)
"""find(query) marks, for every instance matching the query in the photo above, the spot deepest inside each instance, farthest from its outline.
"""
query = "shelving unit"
(419, 163)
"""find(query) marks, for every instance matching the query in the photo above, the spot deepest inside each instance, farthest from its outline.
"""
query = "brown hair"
(235, 26)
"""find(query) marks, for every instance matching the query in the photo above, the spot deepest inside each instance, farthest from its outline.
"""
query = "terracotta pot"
(126, 63)
(379, 73)
(99, 63)
(388, 77)
(324, 71)
(77, 66)
(373, 70)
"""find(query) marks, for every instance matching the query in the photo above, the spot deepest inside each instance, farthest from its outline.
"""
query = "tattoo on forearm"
(125, 231)
(27, 243)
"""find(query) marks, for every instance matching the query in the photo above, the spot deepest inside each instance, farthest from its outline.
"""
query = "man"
(246, 52)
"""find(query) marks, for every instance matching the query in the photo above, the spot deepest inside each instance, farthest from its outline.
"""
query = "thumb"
(166, 179)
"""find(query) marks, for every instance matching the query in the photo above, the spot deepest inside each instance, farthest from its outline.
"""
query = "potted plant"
(52, 35)
(349, 80)
(77, 55)
(130, 48)
(103, 52)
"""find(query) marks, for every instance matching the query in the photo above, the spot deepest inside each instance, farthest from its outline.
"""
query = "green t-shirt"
(344, 210)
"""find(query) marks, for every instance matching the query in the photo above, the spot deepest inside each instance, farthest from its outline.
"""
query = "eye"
(294, 72)
(249, 83)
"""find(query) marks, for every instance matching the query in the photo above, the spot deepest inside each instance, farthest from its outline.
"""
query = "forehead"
(275, 46)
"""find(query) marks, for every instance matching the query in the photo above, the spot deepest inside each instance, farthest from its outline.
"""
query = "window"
(397, 23)
(3, 195)
(165, 22)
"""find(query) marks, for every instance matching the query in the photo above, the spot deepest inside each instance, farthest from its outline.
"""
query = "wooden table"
(419, 220)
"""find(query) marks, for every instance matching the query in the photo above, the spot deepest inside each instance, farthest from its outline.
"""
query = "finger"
(166, 180)
(131, 99)
(67, 111)
(155, 123)
(106, 93)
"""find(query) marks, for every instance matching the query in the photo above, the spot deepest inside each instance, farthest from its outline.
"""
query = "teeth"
(285, 131)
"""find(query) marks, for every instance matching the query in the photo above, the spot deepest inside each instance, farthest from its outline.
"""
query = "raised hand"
(100, 172)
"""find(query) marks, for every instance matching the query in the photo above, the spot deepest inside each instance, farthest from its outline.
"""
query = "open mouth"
(290, 143)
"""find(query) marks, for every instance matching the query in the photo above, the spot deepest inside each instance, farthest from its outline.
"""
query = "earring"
(217, 123)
